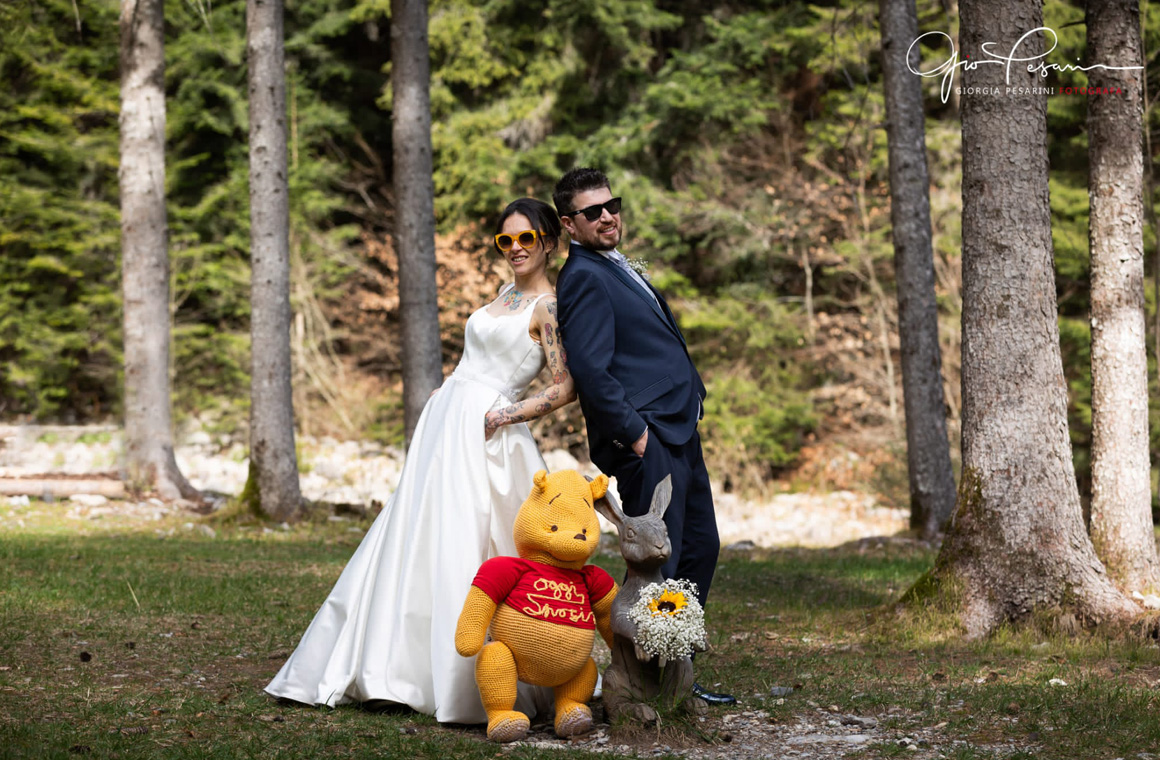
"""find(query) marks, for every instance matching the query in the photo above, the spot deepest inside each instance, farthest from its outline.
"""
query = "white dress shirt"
(618, 258)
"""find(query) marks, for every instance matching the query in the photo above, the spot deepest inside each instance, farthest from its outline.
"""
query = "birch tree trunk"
(414, 189)
(274, 462)
(145, 254)
(1017, 541)
(928, 457)
(1121, 514)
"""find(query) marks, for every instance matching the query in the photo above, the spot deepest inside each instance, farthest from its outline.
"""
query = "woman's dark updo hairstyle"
(541, 215)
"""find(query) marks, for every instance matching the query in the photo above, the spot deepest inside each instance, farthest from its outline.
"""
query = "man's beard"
(596, 243)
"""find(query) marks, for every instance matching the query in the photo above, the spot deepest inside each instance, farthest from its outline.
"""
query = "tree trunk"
(1017, 541)
(414, 188)
(149, 456)
(951, 8)
(1121, 517)
(932, 482)
(271, 406)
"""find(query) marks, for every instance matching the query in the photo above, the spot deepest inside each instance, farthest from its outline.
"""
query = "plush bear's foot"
(573, 722)
(508, 726)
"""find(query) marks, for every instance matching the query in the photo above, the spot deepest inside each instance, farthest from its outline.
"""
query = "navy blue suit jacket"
(627, 357)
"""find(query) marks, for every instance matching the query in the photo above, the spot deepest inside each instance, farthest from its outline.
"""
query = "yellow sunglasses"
(526, 239)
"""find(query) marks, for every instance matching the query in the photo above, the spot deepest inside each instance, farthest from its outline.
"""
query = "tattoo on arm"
(552, 397)
(532, 407)
(511, 415)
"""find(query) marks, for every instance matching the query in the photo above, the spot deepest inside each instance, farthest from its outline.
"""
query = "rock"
(829, 739)
(88, 499)
(780, 691)
(199, 438)
(857, 720)
(329, 470)
(560, 459)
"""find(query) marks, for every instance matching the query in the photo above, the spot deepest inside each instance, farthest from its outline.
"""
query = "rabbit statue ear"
(662, 497)
(599, 486)
(540, 480)
(607, 506)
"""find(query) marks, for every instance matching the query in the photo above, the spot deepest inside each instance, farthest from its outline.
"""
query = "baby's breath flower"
(669, 620)
(640, 266)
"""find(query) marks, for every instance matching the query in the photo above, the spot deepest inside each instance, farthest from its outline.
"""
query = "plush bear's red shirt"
(540, 591)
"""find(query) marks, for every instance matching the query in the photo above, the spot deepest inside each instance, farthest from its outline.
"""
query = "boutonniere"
(640, 266)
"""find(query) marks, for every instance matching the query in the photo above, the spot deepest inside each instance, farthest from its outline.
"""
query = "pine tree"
(149, 455)
(1121, 507)
(274, 461)
(414, 207)
(1017, 542)
(932, 483)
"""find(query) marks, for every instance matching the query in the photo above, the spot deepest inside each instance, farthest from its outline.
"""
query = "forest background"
(747, 139)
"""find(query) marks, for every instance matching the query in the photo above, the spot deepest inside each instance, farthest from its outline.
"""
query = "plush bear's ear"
(541, 481)
(599, 486)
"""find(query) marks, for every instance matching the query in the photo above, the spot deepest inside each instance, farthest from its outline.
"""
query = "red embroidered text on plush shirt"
(544, 592)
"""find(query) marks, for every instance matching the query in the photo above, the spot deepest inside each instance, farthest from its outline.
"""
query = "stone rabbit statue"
(633, 682)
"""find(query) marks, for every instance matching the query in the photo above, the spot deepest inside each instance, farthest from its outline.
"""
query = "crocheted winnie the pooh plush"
(544, 608)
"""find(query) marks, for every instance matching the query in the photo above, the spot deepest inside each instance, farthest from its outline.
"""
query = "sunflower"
(668, 603)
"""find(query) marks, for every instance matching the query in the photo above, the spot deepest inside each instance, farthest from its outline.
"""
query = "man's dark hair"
(540, 214)
(575, 182)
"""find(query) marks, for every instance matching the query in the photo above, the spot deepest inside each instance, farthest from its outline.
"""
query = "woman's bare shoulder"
(546, 305)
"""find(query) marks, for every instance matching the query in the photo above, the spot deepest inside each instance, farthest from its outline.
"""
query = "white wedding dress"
(387, 630)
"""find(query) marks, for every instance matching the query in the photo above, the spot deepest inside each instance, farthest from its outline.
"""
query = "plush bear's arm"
(471, 631)
(603, 610)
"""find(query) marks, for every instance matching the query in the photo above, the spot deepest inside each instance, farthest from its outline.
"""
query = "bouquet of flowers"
(669, 620)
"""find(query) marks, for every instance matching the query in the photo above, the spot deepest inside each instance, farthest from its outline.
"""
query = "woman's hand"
(491, 423)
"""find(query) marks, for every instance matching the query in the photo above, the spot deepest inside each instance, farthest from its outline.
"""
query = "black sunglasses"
(592, 213)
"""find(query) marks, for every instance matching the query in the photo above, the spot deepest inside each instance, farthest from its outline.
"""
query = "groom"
(638, 388)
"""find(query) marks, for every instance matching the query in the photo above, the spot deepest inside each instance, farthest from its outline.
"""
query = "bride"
(387, 630)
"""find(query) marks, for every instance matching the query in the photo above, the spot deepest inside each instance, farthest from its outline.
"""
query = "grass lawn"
(127, 638)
